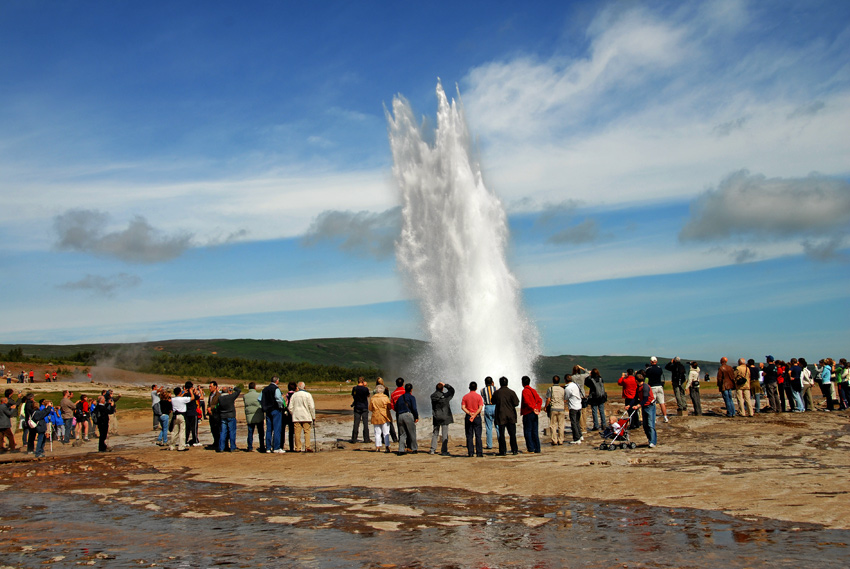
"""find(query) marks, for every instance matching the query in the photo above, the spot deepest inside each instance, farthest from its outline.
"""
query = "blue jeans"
(273, 422)
(799, 406)
(163, 423)
(730, 404)
(600, 410)
(757, 404)
(648, 413)
(261, 439)
(529, 431)
(228, 433)
(39, 447)
(69, 428)
(489, 418)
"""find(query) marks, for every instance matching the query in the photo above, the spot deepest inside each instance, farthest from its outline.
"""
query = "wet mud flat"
(116, 512)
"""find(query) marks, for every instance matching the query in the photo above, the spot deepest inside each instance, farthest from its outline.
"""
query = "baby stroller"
(617, 434)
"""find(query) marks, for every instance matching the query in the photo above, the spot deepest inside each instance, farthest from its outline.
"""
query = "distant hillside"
(376, 353)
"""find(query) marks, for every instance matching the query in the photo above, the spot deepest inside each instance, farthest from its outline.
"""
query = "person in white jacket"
(303, 412)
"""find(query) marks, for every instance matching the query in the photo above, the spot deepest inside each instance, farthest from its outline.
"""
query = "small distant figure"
(489, 410)
(655, 378)
(574, 396)
(506, 401)
(441, 417)
(646, 401)
(472, 405)
(555, 401)
(379, 406)
(227, 414)
(742, 389)
(726, 384)
(303, 411)
(254, 417)
(530, 408)
(360, 405)
(678, 376)
(102, 411)
(407, 416)
(692, 387)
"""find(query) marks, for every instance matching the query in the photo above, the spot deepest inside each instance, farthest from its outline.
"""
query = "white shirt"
(573, 395)
(179, 403)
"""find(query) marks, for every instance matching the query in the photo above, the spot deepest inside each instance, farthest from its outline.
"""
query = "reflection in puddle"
(128, 516)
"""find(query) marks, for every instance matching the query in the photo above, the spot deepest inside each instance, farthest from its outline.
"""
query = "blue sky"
(675, 174)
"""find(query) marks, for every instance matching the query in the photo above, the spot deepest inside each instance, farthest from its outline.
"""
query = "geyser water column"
(451, 252)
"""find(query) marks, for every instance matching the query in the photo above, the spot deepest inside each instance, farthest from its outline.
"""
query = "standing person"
(191, 414)
(66, 407)
(40, 416)
(273, 405)
(398, 392)
(808, 383)
(555, 399)
(29, 436)
(678, 378)
(629, 384)
(82, 413)
(646, 400)
(506, 402)
(580, 376)
(756, 390)
(393, 434)
(407, 416)
(530, 406)
(574, 395)
(489, 410)
(254, 417)
(596, 398)
(726, 384)
(655, 378)
(795, 370)
(441, 417)
(7, 411)
(214, 415)
(165, 408)
(826, 386)
(154, 401)
(771, 383)
(227, 414)
(472, 405)
(842, 382)
(179, 403)
(104, 408)
(742, 388)
(692, 386)
(379, 406)
(360, 404)
(303, 411)
(287, 425)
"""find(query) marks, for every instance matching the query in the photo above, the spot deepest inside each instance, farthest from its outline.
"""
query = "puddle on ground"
(120, 514)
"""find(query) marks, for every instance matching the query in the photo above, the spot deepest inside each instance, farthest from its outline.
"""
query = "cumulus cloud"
(363, 233)
(100, 285)
(745, 206)
(84, 231)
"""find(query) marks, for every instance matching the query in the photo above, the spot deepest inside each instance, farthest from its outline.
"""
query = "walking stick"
(315, 440)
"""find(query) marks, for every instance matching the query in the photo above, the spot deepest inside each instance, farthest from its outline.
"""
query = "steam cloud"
(363, 233)
(82, 230)
(106, 286)
(815, 209)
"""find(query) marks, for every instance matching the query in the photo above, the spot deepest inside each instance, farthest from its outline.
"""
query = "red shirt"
(629, 384)
(472, 401)
(399, 391)
(531, 401)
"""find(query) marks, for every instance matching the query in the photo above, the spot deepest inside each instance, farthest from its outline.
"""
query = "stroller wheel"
(632, 445)
(612, 447)
(622, 445)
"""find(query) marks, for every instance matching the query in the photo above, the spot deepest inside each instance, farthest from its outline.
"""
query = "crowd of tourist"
(282, 420)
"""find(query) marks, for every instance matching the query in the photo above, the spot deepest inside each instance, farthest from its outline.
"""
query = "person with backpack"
(646, 401)
(82, 414)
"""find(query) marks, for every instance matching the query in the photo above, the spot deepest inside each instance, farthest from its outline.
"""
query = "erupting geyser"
(452, 252)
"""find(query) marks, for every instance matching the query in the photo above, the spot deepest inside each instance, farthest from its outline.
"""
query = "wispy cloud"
(103, 285)
(83, 231)
(752, 207)
(363, 233)
(585, 231)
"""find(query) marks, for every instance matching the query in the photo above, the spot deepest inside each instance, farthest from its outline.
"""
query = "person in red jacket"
(529, 408)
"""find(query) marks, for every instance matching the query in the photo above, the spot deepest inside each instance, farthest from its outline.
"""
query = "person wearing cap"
(655, 378)
(726, 385)
(771, 384)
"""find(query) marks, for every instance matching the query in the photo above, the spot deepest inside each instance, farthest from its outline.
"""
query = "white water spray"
(452, 253)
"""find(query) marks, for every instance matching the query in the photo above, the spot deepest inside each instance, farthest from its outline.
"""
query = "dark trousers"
(695, 399)
(215, 429)
(358, 417)
(772, 390)
(530, 432)
(191, 427)
(287, 426)
(102, 431)
(69, 428)
(826, 390)
(511, 429)
(575, 423)
(261, 437)
(473, 435)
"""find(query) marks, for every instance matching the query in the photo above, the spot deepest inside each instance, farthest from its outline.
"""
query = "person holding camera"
(104, 408)
(692, 387)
